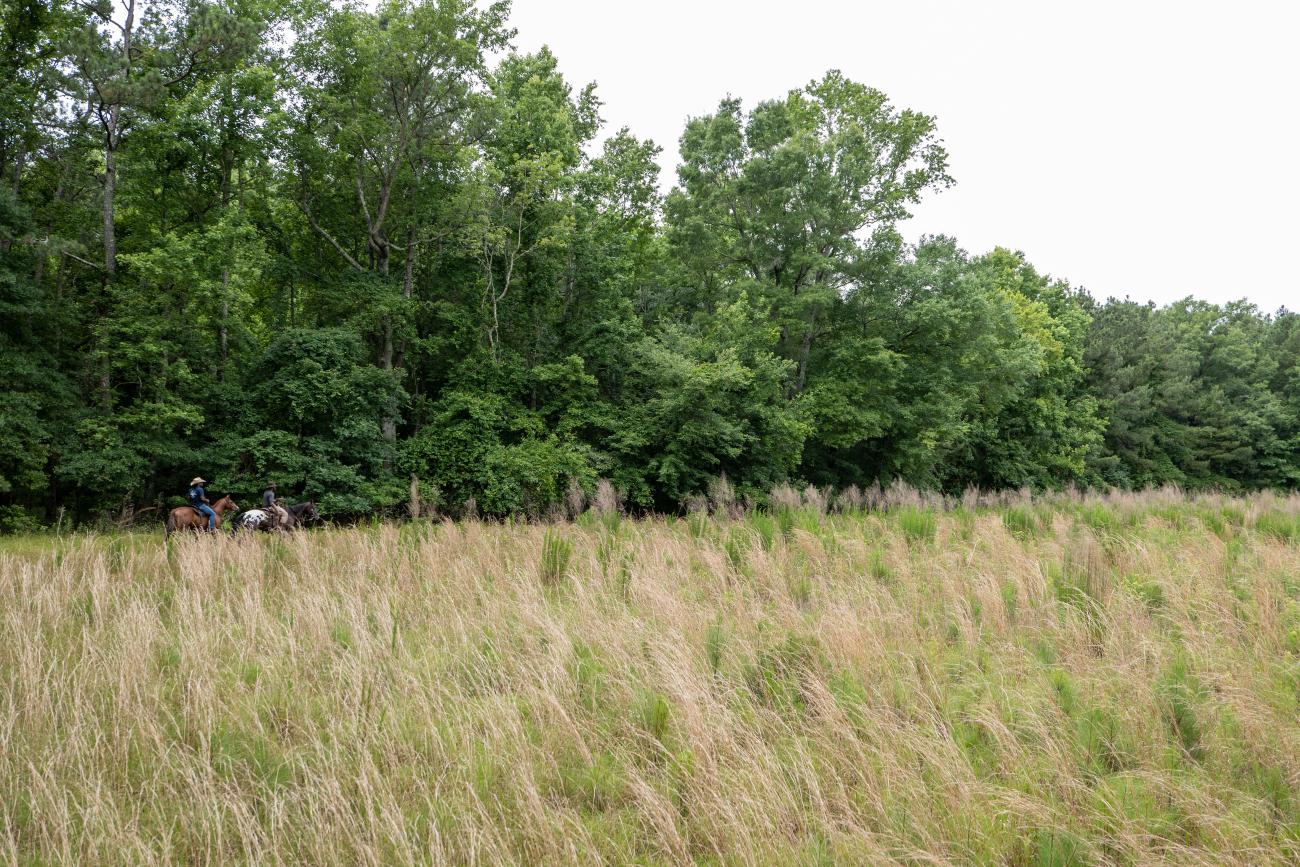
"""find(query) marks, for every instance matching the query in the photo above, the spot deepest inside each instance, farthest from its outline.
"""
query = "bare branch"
(327, 236)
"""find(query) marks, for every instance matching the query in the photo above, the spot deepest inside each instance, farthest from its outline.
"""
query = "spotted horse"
(261, 519)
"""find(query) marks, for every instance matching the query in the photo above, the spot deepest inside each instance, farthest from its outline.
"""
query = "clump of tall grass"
(737, 548)
(1023, 522)
(1099, 517)
(575, 498)
(607, 498)
(1279, 525)
(766, 528)
(878, 566)
(917, 523)
(784, 498)
(1084, 575)
(1181, 692)
(850, 500)
(722, 496)
(695, 504)
(557, 551)
(816, 499)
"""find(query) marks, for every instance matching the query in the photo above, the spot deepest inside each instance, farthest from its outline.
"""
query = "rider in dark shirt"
(277, 511)
(198, 498)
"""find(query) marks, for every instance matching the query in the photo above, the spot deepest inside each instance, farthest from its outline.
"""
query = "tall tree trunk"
(110, 248)
(805, 350)
(6, 244)
(388, 424)
(112, 141)
(110, 188)
(386, 344)
(227, 168)
(224, 330)
(408, 272)
(413, 505)
(105, 385)
(19, 161)
(408, 284)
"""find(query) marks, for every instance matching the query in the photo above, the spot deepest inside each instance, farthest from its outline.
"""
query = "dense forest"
(378, 253)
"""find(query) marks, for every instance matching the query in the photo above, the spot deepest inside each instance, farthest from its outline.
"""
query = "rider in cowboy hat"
(199, 499)
(280, 514)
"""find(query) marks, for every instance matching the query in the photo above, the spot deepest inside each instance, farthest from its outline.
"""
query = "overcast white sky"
(1142, 148)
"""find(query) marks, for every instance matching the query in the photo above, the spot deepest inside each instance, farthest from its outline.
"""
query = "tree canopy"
(376, 252)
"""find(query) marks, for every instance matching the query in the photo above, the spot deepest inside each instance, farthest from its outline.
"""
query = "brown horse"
(186, 518)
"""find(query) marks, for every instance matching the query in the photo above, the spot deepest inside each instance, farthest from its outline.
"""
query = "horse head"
(225, 504)
(309, 512)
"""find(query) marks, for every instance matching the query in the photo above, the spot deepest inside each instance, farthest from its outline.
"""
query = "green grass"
(1279, 525)
(918, 524)
(557, 551)
(1023, 522)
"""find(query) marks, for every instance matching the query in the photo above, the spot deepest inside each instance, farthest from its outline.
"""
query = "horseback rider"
(269, 504)
(198, 498)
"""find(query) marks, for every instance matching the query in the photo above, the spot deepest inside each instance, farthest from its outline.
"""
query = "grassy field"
(1074, 681)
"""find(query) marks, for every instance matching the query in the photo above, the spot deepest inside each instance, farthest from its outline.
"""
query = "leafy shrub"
(15, 519)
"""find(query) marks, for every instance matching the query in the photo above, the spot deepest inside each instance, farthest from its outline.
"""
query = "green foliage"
(766, 527)
(381, 245)
(1195, 394)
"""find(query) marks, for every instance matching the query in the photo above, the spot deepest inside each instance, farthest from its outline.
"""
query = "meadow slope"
(1075, 681)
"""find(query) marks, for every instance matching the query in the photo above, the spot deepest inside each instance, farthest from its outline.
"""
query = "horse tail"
(171, 525)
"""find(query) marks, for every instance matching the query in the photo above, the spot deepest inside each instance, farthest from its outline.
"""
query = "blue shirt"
(197, 494)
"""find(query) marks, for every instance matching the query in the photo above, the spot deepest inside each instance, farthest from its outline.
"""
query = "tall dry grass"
(1080, 681)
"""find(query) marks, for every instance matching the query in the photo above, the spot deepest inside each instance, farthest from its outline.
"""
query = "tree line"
(382, 257)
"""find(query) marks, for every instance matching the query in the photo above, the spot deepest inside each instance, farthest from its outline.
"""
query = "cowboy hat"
(198, 480)
(270, 484)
